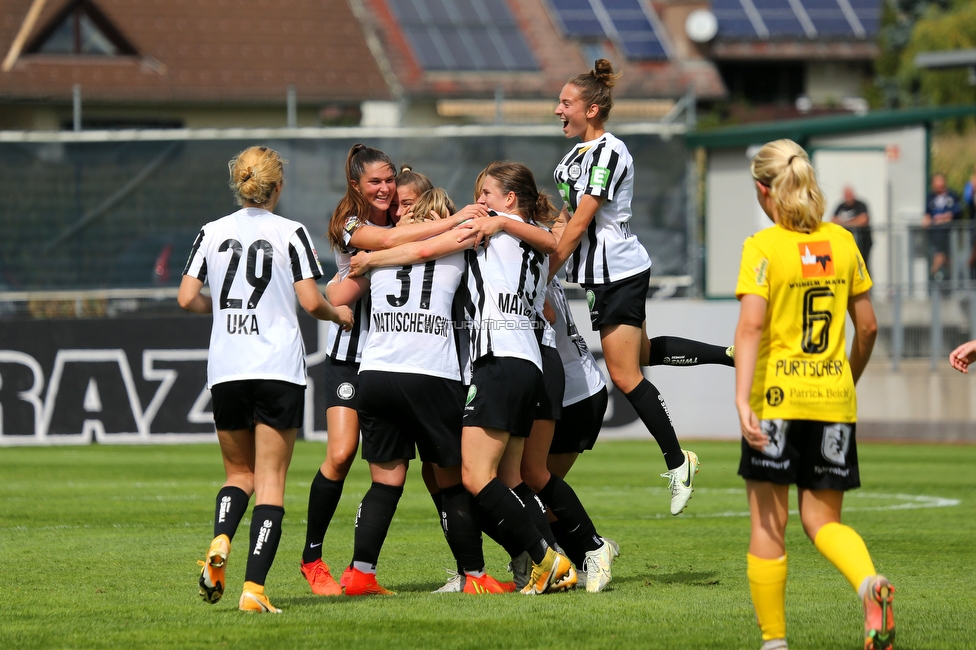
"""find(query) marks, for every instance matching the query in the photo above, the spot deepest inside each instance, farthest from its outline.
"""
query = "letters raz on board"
(135, 380)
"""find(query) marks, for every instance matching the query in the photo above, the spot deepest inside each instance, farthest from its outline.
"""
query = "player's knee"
(536, 478)
(625, 379)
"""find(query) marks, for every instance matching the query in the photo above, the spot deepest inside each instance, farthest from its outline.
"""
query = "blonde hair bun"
(254, 173)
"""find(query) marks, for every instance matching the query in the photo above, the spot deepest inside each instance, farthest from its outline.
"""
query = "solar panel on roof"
(637, 32)
(632, 24)
(577, 18)
(809, 19)
(477, 35)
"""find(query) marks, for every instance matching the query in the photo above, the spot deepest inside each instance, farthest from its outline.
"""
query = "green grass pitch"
(98, 548)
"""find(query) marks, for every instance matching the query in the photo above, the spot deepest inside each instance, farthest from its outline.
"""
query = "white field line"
(905, 502)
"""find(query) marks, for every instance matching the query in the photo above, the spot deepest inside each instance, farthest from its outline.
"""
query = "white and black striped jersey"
(412, 321)
(503, 283)
(251, 259)
(608, 251)
(342, 345)
(583, 376)
(545, 333)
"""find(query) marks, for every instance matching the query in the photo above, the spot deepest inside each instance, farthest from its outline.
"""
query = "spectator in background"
(969, 198)
(941, 208)
(852, 213)
(969, 195)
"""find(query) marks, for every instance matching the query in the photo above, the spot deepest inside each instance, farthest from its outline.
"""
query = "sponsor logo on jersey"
(345, 390)
(575, 171)
(862, 273)
(472, 393)
(599, 176)
(774, 396)
(816, 259)
(761, 272)
(564, 192)
(836, 441)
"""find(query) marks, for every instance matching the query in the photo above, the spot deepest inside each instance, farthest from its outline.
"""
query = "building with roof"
(142, 63)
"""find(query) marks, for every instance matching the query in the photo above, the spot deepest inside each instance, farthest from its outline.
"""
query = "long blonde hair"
(784, 167)
(254, 173)
(433, 200)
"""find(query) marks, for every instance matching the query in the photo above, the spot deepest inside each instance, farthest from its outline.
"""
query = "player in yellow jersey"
(794, 388)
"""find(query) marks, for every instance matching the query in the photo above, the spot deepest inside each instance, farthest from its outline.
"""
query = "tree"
(910, 27)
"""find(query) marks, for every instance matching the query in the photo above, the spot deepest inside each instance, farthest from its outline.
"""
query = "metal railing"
(925, 289)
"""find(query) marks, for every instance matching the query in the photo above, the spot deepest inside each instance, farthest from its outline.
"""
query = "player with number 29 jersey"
(802, 371)
(251, 260)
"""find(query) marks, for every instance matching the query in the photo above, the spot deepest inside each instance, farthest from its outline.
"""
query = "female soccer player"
(411, 395)
(794, 388)
(503, 280)
(256, 364)
(596, 181)
(361, 220)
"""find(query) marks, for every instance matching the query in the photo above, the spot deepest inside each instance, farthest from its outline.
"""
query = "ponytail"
(784, 167)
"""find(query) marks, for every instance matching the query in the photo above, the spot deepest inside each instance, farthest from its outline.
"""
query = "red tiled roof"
(209, 51)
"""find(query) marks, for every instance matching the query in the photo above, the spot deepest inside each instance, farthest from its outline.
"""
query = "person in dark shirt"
(942, 207)
(852, 213)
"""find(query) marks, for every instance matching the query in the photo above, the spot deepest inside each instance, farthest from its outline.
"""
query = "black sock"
(373, 521)
(501, 504)
(265, 535)
(650, 407)
(489, 527)
(566, 506)
(568, 543)
(323, 498)
(231, 506)
(461, 529)
(536, 510)
(676, 351)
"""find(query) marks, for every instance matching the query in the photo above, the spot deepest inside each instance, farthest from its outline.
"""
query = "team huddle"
(452, 338)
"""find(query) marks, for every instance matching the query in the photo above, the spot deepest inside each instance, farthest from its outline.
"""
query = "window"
(81, 29)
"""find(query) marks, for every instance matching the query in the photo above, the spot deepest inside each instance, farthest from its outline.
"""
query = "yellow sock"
(846, 550)
(767, 583)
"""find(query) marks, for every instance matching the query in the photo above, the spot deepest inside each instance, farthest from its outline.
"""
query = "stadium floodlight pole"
(76, 105)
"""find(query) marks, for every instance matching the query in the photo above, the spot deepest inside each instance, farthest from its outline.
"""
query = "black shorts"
(341, 383)
(503, 395)
(939, 238)
(550, 406)
(618, 303)
(812, 454)
(401, 410)
(580, 425)
(239, 404)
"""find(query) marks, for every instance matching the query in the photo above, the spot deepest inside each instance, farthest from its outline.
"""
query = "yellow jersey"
(802, 371)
